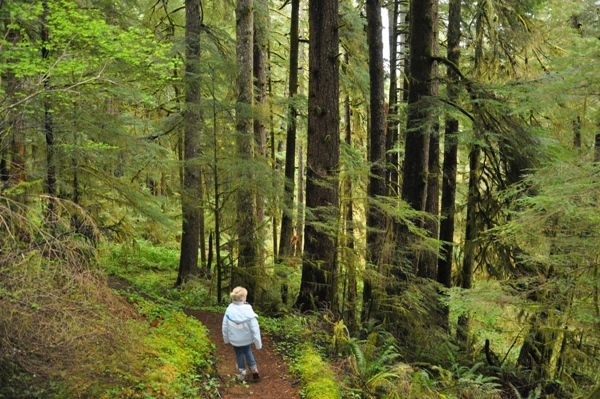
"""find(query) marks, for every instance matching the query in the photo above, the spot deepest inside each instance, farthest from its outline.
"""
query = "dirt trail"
(274, 381)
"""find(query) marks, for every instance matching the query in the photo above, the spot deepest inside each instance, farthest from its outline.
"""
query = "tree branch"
(64, 90)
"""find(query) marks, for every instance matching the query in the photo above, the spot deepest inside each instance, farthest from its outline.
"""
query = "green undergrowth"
(152, 270)
(322, 354)
(177, 360)
(64, 333)
(318, 380)
(331, 364)
(292, 337)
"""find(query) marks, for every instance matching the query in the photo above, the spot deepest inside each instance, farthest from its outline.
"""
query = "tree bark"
(217, 208)
(471, 232)
(419, 122)
(261, 24)
(201, 222)
(297, 248)
(290, 148)
(391, 140)
(420, 119)
(246, 209)
(376, 219)
(351, 288)
(319, 262)
(427, 264)
(192, 184)
(449, 167)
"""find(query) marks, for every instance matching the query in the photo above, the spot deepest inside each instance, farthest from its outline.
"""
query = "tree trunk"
(319, 262)
(577, 132)
(12, 168)
(287, 229)
(217, 208)
(246, 209)
(4, 162)
(471, 232)
(471, 223)
(209, 260)
(274, 166)
(192, 184)
(427, 264)
(51, 217)
(444, 275)
(297, 248)
(351, 288)
(419, 122)
(261, 25)
(201, 222)
(376, 219)
(391, 140)
(290, 148)
(420, 119)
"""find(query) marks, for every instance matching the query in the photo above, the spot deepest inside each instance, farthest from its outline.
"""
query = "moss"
(182, 342)
(318, 380)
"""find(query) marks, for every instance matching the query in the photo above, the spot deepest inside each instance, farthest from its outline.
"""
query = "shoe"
(255, 375)
(241, 377)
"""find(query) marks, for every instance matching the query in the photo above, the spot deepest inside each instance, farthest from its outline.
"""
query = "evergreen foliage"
(92, 130)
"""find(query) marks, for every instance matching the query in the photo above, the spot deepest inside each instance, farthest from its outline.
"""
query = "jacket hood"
(240, 313)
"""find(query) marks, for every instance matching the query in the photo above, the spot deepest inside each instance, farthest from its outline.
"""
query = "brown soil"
(274, 382)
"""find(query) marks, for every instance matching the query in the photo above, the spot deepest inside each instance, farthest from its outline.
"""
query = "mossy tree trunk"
(376, 219)
(350, 293)
(287, 228)
(319, 261)
(427, 261)
(449, 167)
(191, 191)
(246, 207)
(261, 26)
(392, 123)
(51, 216)
(419, 125)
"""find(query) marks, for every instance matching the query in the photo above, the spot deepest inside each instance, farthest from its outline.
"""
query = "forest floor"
(275, 381)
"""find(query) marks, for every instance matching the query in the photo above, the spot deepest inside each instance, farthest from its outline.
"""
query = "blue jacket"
(240, 325)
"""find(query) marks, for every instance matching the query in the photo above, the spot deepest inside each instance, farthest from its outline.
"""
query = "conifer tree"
(376, 220)
(192, 184)
(290, 143)
(449, 169)
(261, 27)
(392, 120)
(48, 125)
(319, 261)
(246, 207)
(420, 118)
(427, 262)
(350, 293)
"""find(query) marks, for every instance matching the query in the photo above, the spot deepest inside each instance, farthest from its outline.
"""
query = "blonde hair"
(239, 294)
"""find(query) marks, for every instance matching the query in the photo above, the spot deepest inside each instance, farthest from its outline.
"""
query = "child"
(241, 329)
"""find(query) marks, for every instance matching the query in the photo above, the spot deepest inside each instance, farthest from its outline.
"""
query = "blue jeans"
(242, 352)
